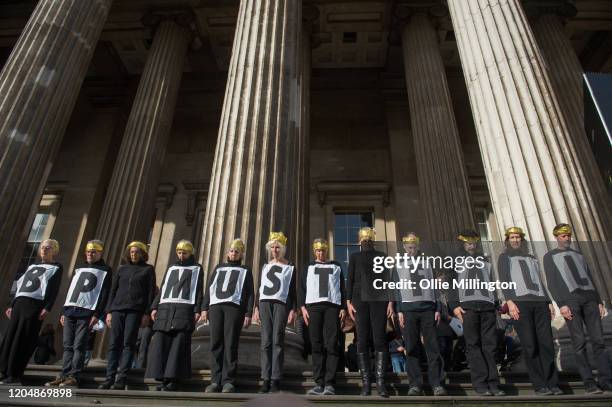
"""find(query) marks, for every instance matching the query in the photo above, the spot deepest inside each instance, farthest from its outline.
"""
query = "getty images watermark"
(460, 264)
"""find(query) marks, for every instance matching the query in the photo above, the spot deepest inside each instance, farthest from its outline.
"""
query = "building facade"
(208, 120)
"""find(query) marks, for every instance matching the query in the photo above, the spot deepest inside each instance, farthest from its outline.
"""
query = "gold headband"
(279, 237)
(562, 230)
(185, 245)
(367, 234)
(320, 246)
(411, 239)
(138, 244)
(237, 244)
(94, 246)
(469, 239)
(514, 229)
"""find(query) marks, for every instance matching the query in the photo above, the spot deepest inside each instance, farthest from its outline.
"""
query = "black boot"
(381, 369)
(363, 360)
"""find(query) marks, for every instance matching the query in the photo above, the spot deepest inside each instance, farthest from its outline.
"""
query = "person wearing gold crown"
(85, 303)
(531, 309)
(36, 291)
(418, 314)
(276, 299)
(476, 309)
(369, 308)
(228, 304)
(571, 285)
(175, 311)
(129, 303)
(323, 305)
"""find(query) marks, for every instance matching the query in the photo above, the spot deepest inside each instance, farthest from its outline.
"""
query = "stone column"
(39, 85)
(443, 183)
(529, 155)
(130, 200)
(565, 73)
(254, 173)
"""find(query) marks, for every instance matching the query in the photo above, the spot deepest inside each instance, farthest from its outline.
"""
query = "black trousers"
(169, 355)
(417, 323)
(20, 339)
(535, 333)
(445, 344)
(371, 326)
(480, 346)
(324, 328)
(124, 333)
(587, 313)
(225, 325)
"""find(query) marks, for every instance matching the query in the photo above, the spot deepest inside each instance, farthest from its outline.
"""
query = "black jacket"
(178, 317)
(133, 288)
(248, 292)
(79, 312)
(453, 293)
(361, 277)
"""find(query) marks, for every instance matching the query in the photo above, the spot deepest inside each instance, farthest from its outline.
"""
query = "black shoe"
(12, 381)
(381, 369)
(316, 391)
(605, 386)
(439, 391)
(228, 388)
(483, 392)
(119, 385)
(556, 391)
(363, 360)
(496, 391)
(107, 384)
(592, 388)
(170, 386)
(275, 387)
(212, 388)
(544, 391)
(265, 387)
(415, 391)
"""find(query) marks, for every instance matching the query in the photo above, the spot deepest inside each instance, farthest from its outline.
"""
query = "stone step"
(135, 398)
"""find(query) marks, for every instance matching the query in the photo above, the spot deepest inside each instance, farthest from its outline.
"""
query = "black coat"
(178, 317)
(133, 288)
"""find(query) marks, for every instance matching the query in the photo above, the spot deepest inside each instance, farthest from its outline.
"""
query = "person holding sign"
(175, 311)
(228, 303)
(369, 308)
(276, 299)
(34, 297)
(418, 313)
(531, 309)
(322, 302)
(128, 308)
(571, 285)
(476, 310)
(84, 304)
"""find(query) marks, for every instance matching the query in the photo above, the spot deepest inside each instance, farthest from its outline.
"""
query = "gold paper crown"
(279, 237)
(562, 230)
(138, 244)
(320, 245)
(94, 246)
(468, 239)
(237, 244)
(411, 239)
(515, 229)
(185, 245)
(367, 233)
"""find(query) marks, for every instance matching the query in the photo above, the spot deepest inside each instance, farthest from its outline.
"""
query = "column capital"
(184, 18)
(538, 8)
(436, 10)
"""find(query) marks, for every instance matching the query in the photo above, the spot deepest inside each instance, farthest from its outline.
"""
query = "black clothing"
(533, 290)
(226, 322)
(371, 326)
(481, 343)
(247, 296)
(361, 276)
(324, 329)
(456, 297)
(79, 312)
(415, 324)
(123, 335)
(45, 348)
(21, 336)
(556, 278)
(133, 288)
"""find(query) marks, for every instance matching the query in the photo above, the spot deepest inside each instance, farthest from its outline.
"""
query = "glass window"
(30, 253)
(346, 234)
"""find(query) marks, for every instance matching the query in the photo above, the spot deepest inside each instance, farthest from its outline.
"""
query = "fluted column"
(443, 183)
(253, 181)
(39, 85)
(529, 154)
(565, 72)
(130, 200)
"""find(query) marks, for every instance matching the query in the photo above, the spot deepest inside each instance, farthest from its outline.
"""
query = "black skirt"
(169, 355)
